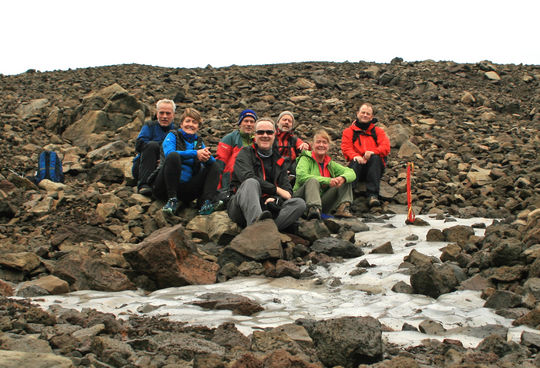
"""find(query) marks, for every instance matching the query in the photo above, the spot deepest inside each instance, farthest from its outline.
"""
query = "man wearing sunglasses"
(261, 184)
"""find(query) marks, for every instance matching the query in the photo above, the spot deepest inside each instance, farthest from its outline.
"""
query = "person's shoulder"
(150, 123)
(305, 154)
(350, 128)
(231, 136)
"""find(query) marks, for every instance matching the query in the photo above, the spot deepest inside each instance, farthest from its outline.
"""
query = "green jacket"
(307, 168)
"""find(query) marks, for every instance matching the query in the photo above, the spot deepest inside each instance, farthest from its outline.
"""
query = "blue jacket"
(152, 131)
(186, 145)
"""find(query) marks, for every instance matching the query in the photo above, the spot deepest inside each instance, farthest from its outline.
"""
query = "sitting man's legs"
(371, 174)
(375, 168)
(291, 211)
(244, 207)
(148, 162)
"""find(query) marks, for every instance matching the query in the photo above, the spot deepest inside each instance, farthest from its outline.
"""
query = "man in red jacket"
(366, 148)
(288, 144)
(232, 143)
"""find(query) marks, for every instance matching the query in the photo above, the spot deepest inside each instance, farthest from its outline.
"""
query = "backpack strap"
(358, 133)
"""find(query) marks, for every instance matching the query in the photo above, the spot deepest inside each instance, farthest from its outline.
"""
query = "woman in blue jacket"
(188, 170)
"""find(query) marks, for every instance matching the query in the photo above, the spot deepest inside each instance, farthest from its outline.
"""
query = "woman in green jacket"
(323, 183)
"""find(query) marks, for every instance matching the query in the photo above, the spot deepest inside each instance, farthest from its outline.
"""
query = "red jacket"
(364, 142)
(288, 144)
(228, 149)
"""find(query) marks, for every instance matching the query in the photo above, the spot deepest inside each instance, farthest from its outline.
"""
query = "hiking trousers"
(330, 199)
(202, 186)
(370, 173)
(148, 162)
(245, 206)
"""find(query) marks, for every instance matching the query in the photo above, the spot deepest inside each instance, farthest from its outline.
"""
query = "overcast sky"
(59, 34)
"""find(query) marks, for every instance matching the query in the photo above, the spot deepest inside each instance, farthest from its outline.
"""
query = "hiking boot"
(373, 202)
(264, 215)
(314, 212)
(207, 208)
(171, 206)
(344, 210)
(145, 190)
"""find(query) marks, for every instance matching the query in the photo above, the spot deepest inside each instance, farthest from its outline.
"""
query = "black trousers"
(370, 173)
(148, 162)
(202, 186)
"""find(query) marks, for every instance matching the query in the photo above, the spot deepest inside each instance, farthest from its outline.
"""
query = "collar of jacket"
(188, 137)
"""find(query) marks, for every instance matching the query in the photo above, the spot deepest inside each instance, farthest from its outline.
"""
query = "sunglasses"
(262, 132)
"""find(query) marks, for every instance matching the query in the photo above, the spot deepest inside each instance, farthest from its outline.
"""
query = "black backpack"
(358, 133)
(49, 167)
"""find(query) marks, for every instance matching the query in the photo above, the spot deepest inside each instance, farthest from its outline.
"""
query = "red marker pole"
(410, 211)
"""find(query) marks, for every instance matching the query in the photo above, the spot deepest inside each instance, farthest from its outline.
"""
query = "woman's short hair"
(192, 113)
(322, 133)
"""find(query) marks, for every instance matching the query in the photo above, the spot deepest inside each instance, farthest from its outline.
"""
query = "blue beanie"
(246, 113)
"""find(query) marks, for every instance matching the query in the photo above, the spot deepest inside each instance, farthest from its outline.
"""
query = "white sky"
(60, 34)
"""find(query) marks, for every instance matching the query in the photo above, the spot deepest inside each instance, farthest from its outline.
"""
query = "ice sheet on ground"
(287, 299)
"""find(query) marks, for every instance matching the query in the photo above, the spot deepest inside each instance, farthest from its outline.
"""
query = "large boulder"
(335, 247)
(169, 259)
(259, 241)
(217, 227)
(347, 341)
(85, 272)
(434, 279)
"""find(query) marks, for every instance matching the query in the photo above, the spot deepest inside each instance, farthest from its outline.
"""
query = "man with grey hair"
(262, 188)
(288, 144)
(148, 144)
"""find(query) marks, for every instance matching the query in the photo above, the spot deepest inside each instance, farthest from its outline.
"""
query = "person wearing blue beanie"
(246, 113)
(232, 143)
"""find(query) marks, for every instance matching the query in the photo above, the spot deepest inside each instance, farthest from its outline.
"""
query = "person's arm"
(143, 138)
(224, 152)
(339, 170)
(301, 145)
(347, 145)
(340, 174)
(169, 145)
(383, 143)
(306, 171)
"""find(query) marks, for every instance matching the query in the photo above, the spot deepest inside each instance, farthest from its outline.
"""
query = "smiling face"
(285, 124)
(264, 135)
(365, 114)
(320, 145)
(247, 125)
(165, 114)
(190, 125)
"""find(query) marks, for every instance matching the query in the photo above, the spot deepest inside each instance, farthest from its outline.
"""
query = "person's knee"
(173, 158)
(375, 160)
(152, 146)
(250, 183)
(297, 203)
(312, 182)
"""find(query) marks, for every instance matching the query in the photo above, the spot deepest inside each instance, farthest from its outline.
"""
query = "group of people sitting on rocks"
(260, 171)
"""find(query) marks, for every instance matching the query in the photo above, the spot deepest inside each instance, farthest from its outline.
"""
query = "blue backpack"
(49, 167)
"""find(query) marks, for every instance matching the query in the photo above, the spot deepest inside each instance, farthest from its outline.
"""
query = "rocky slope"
(471, 130)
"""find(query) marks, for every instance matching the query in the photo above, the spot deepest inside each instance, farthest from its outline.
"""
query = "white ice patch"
(287, 299)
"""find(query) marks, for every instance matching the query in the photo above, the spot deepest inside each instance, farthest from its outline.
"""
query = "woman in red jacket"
(366, 147)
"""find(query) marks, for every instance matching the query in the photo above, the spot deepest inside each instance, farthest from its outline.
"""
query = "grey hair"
(265, 119)
(166, 101)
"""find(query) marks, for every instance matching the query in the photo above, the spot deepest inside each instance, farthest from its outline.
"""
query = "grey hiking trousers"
(329, 200)
(245, 207)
